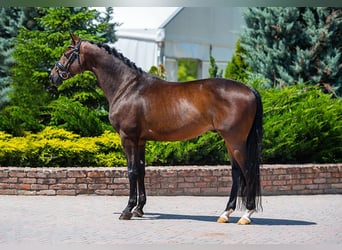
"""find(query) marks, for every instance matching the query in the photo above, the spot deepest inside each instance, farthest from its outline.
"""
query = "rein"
(63, 71)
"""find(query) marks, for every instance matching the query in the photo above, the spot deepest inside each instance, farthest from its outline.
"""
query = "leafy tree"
(295, 45)
(35, 53)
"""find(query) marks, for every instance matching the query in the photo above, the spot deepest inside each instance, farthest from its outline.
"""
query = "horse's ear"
(74, 38)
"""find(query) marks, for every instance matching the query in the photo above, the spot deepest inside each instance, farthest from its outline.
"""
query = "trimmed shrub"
(59, 148)
(301, 125)
(208, 149)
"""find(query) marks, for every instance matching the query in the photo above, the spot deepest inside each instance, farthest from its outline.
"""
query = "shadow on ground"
(255, 221)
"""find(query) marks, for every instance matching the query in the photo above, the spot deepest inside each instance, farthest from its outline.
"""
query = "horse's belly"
(177, 133)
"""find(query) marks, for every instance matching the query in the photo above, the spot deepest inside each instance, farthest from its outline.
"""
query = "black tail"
(250, 188)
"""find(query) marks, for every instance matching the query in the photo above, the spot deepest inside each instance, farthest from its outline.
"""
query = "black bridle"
(63, 71)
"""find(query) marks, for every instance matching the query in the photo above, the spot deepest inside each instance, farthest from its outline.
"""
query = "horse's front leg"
(138, 211)
(132, 201)
(131, 151)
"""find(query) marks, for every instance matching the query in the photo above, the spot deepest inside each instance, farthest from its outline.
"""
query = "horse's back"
(200, 88)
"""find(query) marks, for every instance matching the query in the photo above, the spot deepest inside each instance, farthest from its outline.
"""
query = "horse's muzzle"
(55, 79)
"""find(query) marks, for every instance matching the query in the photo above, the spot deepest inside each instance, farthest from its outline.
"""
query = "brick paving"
(93, 221)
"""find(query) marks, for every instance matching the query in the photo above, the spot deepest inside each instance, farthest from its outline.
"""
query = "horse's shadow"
(255, 221)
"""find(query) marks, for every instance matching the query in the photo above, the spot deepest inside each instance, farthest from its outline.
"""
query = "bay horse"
(144, 107)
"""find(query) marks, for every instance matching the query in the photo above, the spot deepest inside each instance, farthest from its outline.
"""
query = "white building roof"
(143, 17)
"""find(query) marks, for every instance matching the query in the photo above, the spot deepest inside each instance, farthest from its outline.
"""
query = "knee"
(133, 174)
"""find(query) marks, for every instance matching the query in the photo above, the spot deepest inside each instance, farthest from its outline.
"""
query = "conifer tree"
(35, 53)
(237, 68)
(295, 45)
(213, 69)
(10, 19)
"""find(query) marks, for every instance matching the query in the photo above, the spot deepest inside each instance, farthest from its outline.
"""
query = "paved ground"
(93, 221)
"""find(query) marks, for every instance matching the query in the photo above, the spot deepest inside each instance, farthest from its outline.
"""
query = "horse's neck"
(112, 74)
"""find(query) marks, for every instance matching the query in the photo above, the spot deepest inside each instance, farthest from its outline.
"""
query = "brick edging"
(176, 180)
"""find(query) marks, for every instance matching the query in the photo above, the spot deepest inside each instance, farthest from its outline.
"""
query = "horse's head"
(69, 64)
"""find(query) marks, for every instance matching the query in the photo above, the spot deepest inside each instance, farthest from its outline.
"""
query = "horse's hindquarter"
(180, 111)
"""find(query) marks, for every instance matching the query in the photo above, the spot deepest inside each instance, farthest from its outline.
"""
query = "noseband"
(63, 71)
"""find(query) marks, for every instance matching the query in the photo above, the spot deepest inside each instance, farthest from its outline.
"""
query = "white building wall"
(196, 32)
(142, 53)
(192, 34)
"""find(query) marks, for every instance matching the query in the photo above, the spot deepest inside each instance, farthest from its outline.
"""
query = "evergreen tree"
(10, 20)
(108, 27)
(35, 53)
(213, 69)
(237, 68)
(31, 14)
(295, 45)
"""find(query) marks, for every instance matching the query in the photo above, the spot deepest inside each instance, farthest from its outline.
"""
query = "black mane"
(120, 56)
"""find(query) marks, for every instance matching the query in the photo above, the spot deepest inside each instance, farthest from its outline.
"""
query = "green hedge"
(301, 124)
(57, 147)
(208, 149)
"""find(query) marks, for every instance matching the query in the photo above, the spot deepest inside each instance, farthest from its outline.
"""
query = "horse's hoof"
(244, 221)
(125, 216)
(138, 213)
(222, 220)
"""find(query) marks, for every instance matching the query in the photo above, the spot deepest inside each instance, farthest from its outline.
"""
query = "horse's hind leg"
(231, 205)
(238, 155)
